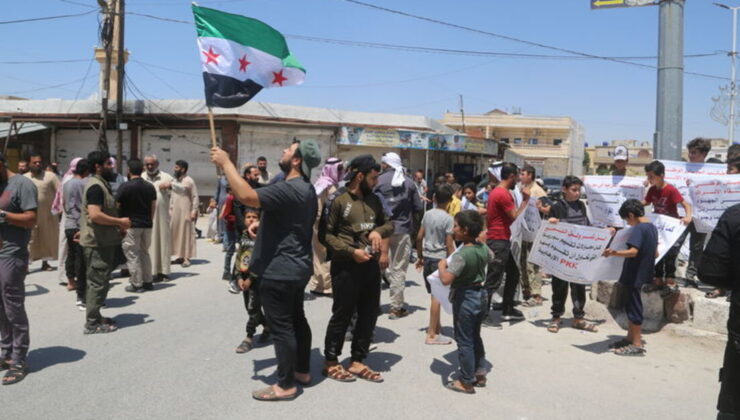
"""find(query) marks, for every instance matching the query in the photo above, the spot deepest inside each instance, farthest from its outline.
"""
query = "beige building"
(601, 157)
(553, 145)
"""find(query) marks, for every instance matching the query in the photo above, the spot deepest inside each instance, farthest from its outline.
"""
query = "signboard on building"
(610, 4)
(410, 139)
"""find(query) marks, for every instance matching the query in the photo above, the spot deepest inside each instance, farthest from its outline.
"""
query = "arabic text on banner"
(712, 195)
(606, 195)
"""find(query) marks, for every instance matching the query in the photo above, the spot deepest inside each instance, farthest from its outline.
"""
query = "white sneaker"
(81, 305)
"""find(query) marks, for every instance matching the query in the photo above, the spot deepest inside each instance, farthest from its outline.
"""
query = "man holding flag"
(240, 56)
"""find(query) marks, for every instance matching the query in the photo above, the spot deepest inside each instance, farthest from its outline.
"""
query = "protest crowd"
(483, 247)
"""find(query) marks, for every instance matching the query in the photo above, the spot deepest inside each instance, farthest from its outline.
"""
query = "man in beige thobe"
(159, 249)
(45, 235)
(183, 212)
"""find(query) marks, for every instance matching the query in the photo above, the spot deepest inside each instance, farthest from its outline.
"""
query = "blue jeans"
(469, 308)
(229, 239)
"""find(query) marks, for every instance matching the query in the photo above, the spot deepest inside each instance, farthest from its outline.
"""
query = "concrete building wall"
(67, 144)
(269, 140)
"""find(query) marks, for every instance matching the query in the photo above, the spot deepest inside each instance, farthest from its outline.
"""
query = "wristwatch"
(2, 216)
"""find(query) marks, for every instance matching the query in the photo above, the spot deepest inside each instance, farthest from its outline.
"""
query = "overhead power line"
(72, 60)
(9, 22)
(518, 40)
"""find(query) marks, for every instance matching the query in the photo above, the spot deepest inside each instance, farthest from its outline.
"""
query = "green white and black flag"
(241, 56)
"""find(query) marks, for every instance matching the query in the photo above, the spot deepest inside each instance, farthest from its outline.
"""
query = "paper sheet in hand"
(439, 290)
(606, 195)
(669, 230)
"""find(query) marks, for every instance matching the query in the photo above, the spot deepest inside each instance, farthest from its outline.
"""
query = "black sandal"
(630, 350)
(245, 346)
(4, 365)
(15, 374)
(620, 343)
(101, 328)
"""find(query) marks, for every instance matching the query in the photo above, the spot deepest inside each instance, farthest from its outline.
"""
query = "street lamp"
(732, 54)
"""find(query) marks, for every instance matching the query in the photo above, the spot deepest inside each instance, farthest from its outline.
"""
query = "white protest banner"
(610, 268)
(711, 196)
(532, 221)
(669, 229)
(569, 251)
(679, 173)
(439, 290)
(606, 195)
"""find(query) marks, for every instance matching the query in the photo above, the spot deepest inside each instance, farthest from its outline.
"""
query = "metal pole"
(426, 170)
(108, 44)
(669, 110)
(120, 64)
(733, 87)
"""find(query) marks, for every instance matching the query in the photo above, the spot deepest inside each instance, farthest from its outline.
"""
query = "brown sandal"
(584, 326)
(553, 326)
(268, 394)
(368, 375)
(338, 373)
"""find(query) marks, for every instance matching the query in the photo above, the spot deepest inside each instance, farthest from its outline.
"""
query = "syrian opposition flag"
(240, 56)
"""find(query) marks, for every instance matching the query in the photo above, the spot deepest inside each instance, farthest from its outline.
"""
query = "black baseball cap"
(362, 163)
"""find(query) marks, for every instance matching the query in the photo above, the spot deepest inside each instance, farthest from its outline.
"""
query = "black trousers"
(560, 295)
(283, 304)
(75, 263)
(729, 394)
(503, 263)
(253, 305)
(356, 288)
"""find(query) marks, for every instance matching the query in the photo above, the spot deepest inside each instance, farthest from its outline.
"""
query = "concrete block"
(711, 314)
(652, 306)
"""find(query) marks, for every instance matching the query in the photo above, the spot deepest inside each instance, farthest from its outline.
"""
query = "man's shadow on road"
(131, 320)
(40, 359)
(37, 290)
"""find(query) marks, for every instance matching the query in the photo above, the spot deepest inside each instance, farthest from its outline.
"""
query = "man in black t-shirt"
(282, 258)
(136, 200)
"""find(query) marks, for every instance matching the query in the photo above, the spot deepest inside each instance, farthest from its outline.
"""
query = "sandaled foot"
(338, 373)
(15, 374)
(714, 294)
(585, 326)
(245, 345)
(303, 379)
(268, 394)
(553, 326)
(101, 328)
(620, 343)
(630, 350)
(458, 386)
(480, 381)
(4, 365)
(439, 339)
(367, 374)
(533, 301)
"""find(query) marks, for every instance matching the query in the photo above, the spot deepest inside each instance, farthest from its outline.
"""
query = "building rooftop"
(197, 108)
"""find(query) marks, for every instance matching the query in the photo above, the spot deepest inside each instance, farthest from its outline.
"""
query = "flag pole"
(213, 127)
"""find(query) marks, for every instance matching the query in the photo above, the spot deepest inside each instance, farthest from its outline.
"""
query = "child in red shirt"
(665, 199)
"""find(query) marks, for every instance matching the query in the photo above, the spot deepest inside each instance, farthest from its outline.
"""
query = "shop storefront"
(430, 151)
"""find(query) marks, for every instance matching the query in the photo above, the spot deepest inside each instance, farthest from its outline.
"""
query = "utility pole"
(733, 86)
(106, 36)
(120, 70)
(668, 136)
(462, 112)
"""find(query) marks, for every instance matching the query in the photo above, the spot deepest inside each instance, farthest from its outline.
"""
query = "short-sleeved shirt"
(468, 264)
(72, 193)
(454, 206)
(664, 200)
(437, 226)
(500, 202)
(640, 269)
(135, 199)
(95, 195)
(19, 195)
(282, 250)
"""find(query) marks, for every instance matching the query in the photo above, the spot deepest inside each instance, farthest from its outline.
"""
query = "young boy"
(433, 244)
(569, 209)
(665, 198)
(249, 285)
(639, 260)
(466, 274)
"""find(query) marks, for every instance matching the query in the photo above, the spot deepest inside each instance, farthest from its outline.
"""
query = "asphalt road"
(174, 358)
